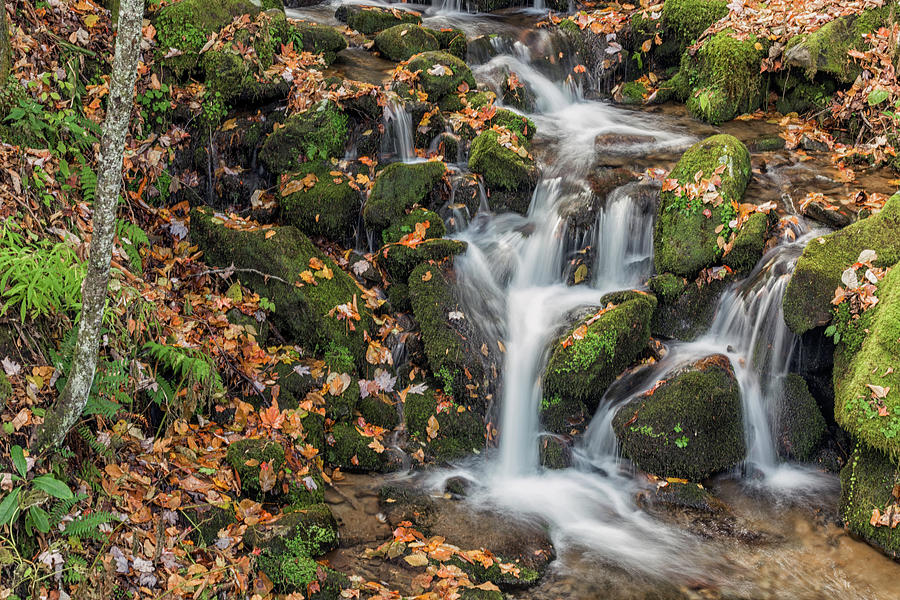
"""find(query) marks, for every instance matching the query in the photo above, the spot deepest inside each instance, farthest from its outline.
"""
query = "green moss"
(521, 125)
(379, 412)
(499, 166)
(440, 73)
(460, 432)
(687, 314)
(807, 299)
(305, 491)
(318, 133)
(186, 25)
(348, 449)
(208, 522)
(689, 427)
(301, 313)
(684, 239)
(527, 577)
(872, 360)
(407, 225)
(399, 260)
(800, 422)
(585, 369)
(398, 187)
(372, 19)
(559, 415)
(826, 49)
(633, 92)
(5, 390)
(685, 20)
(327, 209)
(318, 39)
(867, 482)
(453, 41)
(749, 244)
(458, 102)
(667, 287)
(254, 451)
(479, 594)
(400, 42)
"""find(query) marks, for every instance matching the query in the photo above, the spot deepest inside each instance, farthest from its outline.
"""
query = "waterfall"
(624, 241)
(398, 141)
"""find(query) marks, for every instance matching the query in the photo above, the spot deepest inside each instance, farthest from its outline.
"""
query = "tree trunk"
(5, 49)
(71, 402)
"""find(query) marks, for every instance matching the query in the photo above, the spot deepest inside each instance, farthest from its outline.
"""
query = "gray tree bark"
(5, 49)
(71, 402)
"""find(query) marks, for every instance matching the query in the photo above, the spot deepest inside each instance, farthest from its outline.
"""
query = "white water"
(398, 142)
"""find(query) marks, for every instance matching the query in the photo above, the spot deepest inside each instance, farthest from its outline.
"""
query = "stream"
(784, 540)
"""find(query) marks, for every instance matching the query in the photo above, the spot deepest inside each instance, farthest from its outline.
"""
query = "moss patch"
(749, 244)
(327, 209)
(440, 73)
(247, 456)
(866, 484)
(401, 42)
(500, 166)
(319, 133)
(807, 300)
(348, 449)
(684, 239)
(459, 433)
(398, 187)
(686, 308)
(521, 125)
(372, 19)
(689, 427)
(800, 422)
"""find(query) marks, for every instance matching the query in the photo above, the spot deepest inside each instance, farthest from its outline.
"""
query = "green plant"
(156, 106)
(214, 109)
(446, 379)
(183, 369)
(132, 239)
(27, 496)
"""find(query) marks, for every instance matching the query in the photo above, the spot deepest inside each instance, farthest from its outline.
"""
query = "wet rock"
(465, 200)
(563, 415)
(329, 208)
(248, 457)
(688, 426)
(318, 39)
(766, 143)
(836, 217)
(401, 42)
(398, 187)
(681, 22)
(800, 423)
(457, 487)
(508, 174)
(257, 328)
(685, 239)
(453, 41)
(631, 93)
(749, 243)
(318, 133)
(584, 368)
(347, 448)
(867, 484)
(677, 495)
(517, 94)
(685, 308)
(440, 73)
(521, 125)
(379, 412)
(207, 520)
(301, 313)
(370, 20)
(555, 452)
(446, 430)
(807, 299)
(400, 260)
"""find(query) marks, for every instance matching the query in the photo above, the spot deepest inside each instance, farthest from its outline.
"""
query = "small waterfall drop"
(398, 141)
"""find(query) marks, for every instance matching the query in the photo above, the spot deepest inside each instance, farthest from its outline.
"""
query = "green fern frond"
(88, 526)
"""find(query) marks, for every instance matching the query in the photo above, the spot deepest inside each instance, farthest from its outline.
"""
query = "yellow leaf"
(758, 46)
(91, 20)
(432, 427)
(416, 560)
(645, 47)
(426, 276)
(270, 233)
(316, 263)
(307, 277)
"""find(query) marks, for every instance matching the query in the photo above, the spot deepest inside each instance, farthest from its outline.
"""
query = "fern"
(75, 569)
(189, 367)
(88, 180)
(91, 440)
(62, 507)
(132, 238)
(88, 526)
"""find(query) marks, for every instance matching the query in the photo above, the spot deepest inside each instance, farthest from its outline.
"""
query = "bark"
(5, 49)
(71, 402)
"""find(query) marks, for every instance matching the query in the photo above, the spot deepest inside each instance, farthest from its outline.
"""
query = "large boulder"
(867, 369)
(688, 426)
(678, 25)
(440, 73)
(400, 42)
(318, 133)
(323, 204)
(807, 299)
(509, 171)
(685, 309)
(589, 357)
(272, 262)
(370, 20)
(800, 423)
(446, 430)
(869, 501)
(687, 231)
(397, 188)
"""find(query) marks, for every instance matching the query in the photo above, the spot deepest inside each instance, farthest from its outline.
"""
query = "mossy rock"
(521, 125)
(724, 77)
(399, 260)
(685, 309)
(370, 20)
(397, 188)
(207, 521)
(258, 329)
(868, 353)
(867, 483)
(440, 73)
(460, 431)
(691, 496)
(318, 133)
(501, 167)
(305, 491)
(379, 412)
(825, 50)
(186, 25)
(459, 102)
(633, 92)
(560, 415)
(347, 448)
(401, 42)
(320, 39)
(584, 370)
(340, 363)
(690, 426)
(328, 208)
(520, 96)
(301, 313)
(526, 577)
(807, 299)
(247, 457)
(684, 239)
(554, 452)
(480, 594)
(800, 422)
(749, 243)
(453, 41)
(684, 20)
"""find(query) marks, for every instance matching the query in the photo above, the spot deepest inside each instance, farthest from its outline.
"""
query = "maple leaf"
(272, 417)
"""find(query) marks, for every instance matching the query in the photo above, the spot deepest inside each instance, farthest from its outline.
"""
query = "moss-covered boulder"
(207, 520)
(186, 25)
(318, 133)
(248, 457)
(506, 166)
(330, 207)
(563, 415)
(589, 357)
(632, 93)
(370, 20)
(347, 448)
(379, 411)
(807, 299)
(447, 430)
(400, 42)
(749, 243)
(825, 50)
(800, 423)
(306, 312)
(868, 484)
(397, 188)
(453, 41)
(689, 426)
(723, 80)
(440, 73)
(685, 309)
(520, 125)
(866, 373)
(318, 39)
(685, 20)
(685, 239)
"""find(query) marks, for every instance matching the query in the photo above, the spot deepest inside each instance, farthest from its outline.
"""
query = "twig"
(235, 270)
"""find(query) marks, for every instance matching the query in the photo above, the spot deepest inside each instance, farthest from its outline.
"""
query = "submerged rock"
(807, 299)
(582, 369)
(318, 133)
(400, 42)
(689, 425)
(800, 424)
(868, 484)
(685, 239)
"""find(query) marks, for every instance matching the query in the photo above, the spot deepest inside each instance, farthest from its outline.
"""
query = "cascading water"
(398, 141)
